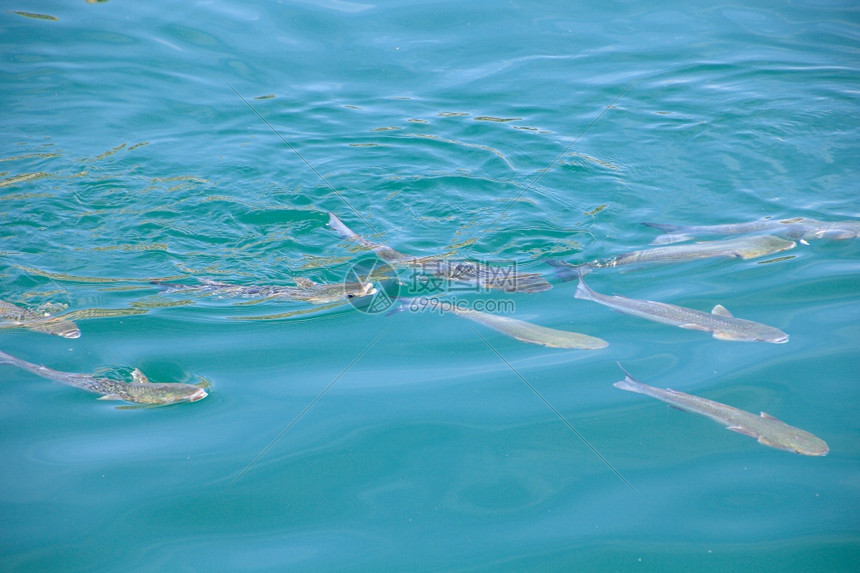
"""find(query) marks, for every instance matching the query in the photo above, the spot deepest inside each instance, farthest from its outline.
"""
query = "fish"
(769, 431)
(473, 273)
(140, 390)
(517, 329)
(720, 322)
(38, 322)
(798, 228)
(739, 247)
(532, 333)
(305, 290)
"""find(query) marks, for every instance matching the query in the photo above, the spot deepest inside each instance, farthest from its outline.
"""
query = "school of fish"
(780, 235)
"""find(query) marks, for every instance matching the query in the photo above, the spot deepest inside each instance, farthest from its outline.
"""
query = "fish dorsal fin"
(720, 310)
(767, 416)
(139, 377)
(304, 283)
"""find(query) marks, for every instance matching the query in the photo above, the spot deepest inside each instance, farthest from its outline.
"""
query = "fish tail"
(582, 289)
(629, 383)
(7, 359)
(338, 226)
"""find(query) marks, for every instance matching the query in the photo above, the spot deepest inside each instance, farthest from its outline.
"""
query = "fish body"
(478, 274)
(768, 430)
(140, 390)
(35, 321)
(739, 247)
(797, 228)
(305, 290)
(719, 322)
(532, 333)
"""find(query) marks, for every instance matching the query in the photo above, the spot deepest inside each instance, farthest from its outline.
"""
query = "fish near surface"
(796, 228)
(532, 333)
(739, 247)
(305, 290)
(140, 390)
(719, 322)
(478, 274)
(37, 322)
(769, 431)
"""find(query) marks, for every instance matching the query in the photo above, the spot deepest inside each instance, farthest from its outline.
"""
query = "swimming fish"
(38, 322)
(532, 333)
(140, 390)
(305, 290)
(796, 228)
(768, 430)
(739, 247)
(719, 322)
(479, 274)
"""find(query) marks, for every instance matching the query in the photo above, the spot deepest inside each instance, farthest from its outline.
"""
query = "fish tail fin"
(582, 290)
(565, 271)
(7, 359)
(629, 383)
(338, 226)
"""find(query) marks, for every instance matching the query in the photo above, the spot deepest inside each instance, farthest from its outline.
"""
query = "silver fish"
(719, 322)
(305, 290)
(478, 274)
(768, 430)
(35, 321)
(740, 247)
(532, 333)
(797, 228)
(140, 390)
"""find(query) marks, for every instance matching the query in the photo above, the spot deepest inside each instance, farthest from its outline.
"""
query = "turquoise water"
(127, 156)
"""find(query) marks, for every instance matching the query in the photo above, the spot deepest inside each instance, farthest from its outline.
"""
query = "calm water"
(126, 156)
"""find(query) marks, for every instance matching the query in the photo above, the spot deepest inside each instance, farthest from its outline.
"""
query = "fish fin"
(303, 282)
(582, 289)
(111, 397)
(725, 336)
(629, 383)
(804, 241)
(720, 310)
(744, 431)
(692, 326)
(139, 377)
(767, 416)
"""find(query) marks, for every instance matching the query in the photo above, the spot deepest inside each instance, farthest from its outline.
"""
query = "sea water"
(208, 140)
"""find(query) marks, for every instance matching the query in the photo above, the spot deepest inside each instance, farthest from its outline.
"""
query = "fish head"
(796, 440)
